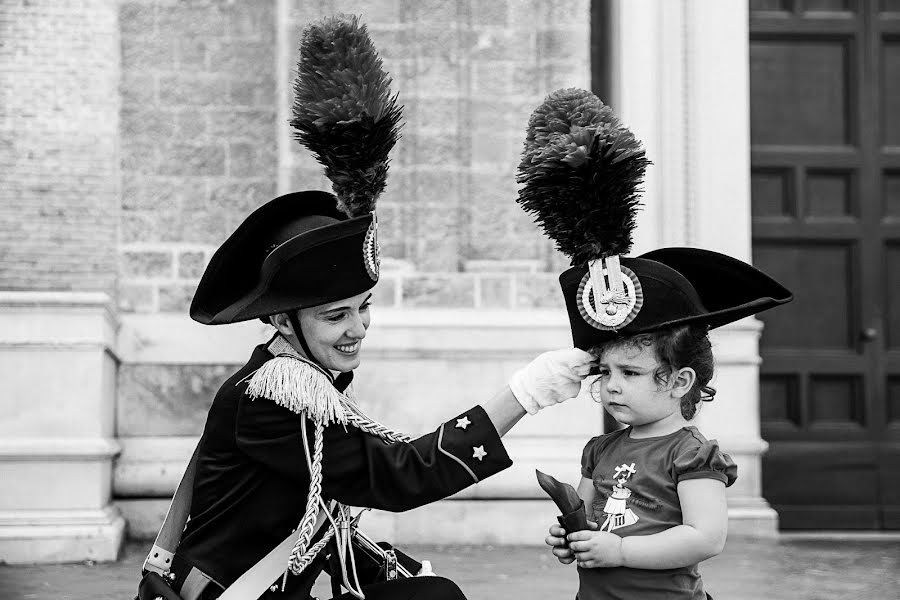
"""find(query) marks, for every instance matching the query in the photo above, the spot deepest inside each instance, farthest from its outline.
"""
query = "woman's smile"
(334, 332)
(348, 349)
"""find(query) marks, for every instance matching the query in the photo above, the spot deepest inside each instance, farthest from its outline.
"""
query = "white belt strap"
(160, 558)
(251, 584)
(260, 576)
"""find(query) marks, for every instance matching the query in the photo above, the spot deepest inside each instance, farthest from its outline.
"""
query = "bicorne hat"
(669, 287)
(581, 171)
(295, 251)
(309, 248)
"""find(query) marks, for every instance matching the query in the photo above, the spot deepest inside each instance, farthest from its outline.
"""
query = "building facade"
(137, 133)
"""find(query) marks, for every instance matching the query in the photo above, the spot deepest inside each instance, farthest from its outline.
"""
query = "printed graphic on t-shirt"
(617, 512)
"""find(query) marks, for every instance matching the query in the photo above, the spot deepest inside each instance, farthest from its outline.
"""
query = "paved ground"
(747, 570)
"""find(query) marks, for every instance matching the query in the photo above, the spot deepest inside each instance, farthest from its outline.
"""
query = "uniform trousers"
(413, 588)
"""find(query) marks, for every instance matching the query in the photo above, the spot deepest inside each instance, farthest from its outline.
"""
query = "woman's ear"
(282, 323)
(682, 381)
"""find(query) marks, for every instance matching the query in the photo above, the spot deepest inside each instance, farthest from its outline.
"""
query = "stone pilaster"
(681, 75)
(58, 367)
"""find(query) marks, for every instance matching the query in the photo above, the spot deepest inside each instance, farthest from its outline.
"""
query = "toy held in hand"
(573, 517)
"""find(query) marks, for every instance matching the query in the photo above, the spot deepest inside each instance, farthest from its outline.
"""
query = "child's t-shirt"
(636, 494)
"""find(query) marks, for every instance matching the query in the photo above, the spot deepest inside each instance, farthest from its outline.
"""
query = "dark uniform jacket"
(252, 478)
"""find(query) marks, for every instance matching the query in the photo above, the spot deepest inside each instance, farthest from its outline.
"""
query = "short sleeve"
(589, 457)
(705, 461)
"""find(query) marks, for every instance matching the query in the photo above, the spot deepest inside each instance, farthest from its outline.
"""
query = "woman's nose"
(357, 328)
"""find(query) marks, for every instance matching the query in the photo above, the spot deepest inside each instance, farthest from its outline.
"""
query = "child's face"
(629, 389)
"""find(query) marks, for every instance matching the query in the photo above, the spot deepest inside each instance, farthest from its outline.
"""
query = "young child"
(656, 489)
(654, 492)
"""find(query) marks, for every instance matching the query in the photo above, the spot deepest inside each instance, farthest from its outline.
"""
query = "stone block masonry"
(201, 123)
(198, 138)
(59, 160)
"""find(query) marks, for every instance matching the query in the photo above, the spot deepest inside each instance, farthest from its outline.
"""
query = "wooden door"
(825, 134)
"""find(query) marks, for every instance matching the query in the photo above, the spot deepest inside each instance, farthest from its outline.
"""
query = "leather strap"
(160, 558)
(263, 574)
(194, 584)
(251, 584)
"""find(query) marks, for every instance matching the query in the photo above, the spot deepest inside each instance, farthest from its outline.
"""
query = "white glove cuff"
(517, 386)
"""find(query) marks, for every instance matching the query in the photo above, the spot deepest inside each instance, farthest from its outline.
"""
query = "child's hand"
(557, 541)
(594, 549)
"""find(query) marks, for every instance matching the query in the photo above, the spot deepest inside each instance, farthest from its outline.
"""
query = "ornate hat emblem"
(608, 302)
(371, 251)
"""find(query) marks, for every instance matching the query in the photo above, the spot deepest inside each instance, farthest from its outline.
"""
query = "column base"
(57, 536)
(752, 517)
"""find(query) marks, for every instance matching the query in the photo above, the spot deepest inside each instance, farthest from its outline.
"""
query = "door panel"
(822, 271)
(890, 96)
(811, 74)
(825, 175)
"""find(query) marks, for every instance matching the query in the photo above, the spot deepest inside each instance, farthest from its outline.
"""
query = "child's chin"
(617, 412)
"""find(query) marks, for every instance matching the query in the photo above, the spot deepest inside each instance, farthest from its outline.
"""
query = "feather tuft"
(581, 172)
(343, 110)
(299, 387)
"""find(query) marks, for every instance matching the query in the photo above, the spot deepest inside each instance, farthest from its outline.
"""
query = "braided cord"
(301, 554)
(302, 562)
(357, 418)
(296, 562)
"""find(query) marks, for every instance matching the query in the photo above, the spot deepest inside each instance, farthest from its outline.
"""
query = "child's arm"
(557, 537)
(700, 536)
(586, 491)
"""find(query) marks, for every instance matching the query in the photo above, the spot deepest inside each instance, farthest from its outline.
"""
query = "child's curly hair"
(676, 348)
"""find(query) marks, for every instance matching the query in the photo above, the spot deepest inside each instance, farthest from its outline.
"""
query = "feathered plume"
(343, 110)
(581, 171)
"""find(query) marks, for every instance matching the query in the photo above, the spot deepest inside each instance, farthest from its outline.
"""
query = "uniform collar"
(278, 346)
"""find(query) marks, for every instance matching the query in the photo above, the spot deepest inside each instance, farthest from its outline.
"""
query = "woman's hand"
(551, 378)
(593, 549)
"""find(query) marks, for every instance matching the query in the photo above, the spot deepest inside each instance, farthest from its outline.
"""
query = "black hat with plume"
(581, 173)
(309, 248)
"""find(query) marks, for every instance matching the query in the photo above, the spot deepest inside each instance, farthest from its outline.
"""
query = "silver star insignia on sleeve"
(479, 452)
(463, 423)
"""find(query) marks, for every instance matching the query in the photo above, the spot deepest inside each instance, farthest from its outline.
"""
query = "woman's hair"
(676, 348)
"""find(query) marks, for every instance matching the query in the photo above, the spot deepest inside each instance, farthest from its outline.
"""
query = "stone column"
(59, 202)
(56, 427)
(681, 75)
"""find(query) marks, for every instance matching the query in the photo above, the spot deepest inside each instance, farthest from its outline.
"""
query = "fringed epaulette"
(300, 387)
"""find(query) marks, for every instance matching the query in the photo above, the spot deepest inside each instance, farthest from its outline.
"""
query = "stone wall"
(205, 100)
(205, 103)
(198, 139)
(59, 120)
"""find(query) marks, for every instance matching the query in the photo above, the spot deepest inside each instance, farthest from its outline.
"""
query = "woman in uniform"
(284, 433)
(286, 449)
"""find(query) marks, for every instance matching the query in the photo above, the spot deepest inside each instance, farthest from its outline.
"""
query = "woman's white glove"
(551, 378)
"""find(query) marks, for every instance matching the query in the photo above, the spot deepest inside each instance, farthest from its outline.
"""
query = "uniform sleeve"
(360, 469)
(705, 461)
(589, 457)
